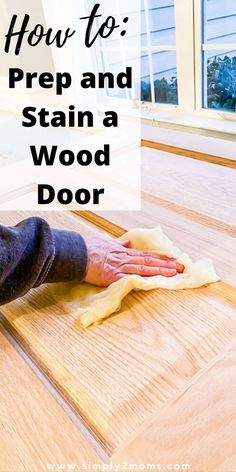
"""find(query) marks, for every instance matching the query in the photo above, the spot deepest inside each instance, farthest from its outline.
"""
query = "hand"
(109, 261)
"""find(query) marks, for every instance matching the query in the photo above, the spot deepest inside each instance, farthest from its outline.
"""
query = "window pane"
(130, 9)
(141, 91)
(158, 68)
(145, 79)
(220, 21)
(165, 80)
(146, 89)
(162, 22)
(136, 17)
(113, 63)
(220, 80)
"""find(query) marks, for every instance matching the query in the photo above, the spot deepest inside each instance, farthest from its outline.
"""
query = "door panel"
(198, 429)
(119, 375)
(34, 429)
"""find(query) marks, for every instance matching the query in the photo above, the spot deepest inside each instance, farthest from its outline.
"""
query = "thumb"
(124, 243)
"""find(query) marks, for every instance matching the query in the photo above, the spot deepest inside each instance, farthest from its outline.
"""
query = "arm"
(32, 253)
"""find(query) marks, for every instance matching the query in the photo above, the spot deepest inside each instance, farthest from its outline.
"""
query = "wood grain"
(190, 214)
(205, 157)
(198, 428)
(34, 430)
(121, 373)
(208, 190)
(102, 223)
(196, 142)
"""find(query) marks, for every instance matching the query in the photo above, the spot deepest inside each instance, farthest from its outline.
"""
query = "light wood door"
(118, 376)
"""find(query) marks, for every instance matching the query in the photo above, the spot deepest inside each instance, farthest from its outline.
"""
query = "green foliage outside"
(221, 83)
(165, 92)
(221, 86)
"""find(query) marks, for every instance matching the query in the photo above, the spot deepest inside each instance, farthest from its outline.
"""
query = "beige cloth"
(93, 304)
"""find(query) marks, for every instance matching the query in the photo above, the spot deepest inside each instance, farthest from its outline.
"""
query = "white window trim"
(184, 25)
(188, 48)
(149, 49)
(191, 117)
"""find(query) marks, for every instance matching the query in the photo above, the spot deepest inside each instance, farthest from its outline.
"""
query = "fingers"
(147, 271)
(125, 243)
(156, 262)
(149, 258)
(138, 253)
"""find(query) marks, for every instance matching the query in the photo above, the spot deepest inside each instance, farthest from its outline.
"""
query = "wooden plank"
(222, 161)
(34, 429)
(198, 428)
(191, 214)
(102, 223)
(202, 143)
(121, 373)
(197, 189)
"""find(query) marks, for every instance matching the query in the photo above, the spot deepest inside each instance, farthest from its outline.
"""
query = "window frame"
(149, 49)
(189, 47)
(202, 46)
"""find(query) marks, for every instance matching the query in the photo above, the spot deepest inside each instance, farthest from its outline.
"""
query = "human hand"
(109, 261)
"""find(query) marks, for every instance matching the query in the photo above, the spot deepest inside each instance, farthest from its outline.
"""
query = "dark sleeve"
(32, 253)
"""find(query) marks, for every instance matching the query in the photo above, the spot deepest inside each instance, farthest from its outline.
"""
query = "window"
(157, 45)
(188, 54)
(219, 54)
(158, 66)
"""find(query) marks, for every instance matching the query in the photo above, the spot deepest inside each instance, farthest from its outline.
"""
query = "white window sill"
(217, 127)
(220, 125)
(206, 134)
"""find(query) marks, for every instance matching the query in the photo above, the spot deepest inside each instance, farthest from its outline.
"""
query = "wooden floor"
(155, 383)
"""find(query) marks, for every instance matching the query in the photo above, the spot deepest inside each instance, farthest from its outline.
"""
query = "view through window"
(219, 54)
(158, 64)
(157, 46)
(214, 71)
